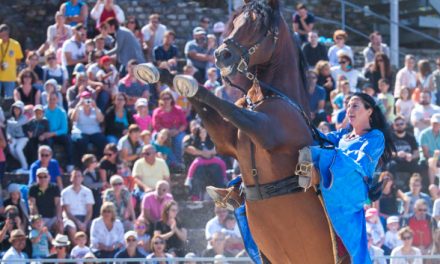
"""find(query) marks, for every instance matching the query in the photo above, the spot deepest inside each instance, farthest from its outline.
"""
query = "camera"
(11, 215)
(88, 101)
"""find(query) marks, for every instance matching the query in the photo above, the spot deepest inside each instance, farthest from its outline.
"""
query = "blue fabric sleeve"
(62, 130)
(333, 136)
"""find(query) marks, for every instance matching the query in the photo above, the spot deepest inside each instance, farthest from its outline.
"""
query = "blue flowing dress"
(346, 171)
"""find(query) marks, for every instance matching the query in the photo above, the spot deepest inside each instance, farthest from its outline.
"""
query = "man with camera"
(11, 223)
(196, 51)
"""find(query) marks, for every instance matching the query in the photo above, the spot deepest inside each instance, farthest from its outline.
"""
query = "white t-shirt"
(352, 76)
(392, 239)
(79, 252)
(77, 202)
(76, 49)
(213, 226)
(158, 37)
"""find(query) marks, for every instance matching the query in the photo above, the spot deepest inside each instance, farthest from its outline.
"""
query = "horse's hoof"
(146, 73)
(224, 198)
(185, 85)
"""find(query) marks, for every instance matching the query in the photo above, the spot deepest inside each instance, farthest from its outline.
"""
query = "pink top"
(2, 155)
(143, 122)
(151, 203)
(171, 120)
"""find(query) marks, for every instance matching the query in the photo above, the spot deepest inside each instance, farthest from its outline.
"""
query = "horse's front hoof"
(185, 85)
(146, 73)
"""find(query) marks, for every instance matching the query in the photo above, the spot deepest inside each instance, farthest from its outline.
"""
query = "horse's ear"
(274, 4)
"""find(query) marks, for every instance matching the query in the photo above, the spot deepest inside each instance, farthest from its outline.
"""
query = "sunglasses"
(43, 177)
(45, 155)
(399, 124)
(166, 98)
(107, 211)
(422, 210)
(342, 62)
(147, 153)
(51, 58)
(117, 184)
(59, 247)
(108, 154)
(131, 240)
(406, 237)
(339, 38)
(140, 227)
(159, 242)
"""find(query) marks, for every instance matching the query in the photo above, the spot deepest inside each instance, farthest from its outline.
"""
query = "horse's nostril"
(226, 54)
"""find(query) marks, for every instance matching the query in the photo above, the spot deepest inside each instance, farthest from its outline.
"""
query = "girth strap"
(265, 191)
(254, 171)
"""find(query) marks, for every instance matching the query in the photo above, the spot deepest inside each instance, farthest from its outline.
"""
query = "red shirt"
(105, 15)
(171, 120)
(422, 232)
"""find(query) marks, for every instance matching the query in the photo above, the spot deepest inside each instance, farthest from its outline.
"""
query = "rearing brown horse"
(265, 131)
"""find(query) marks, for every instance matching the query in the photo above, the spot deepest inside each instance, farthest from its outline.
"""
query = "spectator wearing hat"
(10, 57)
(142, 117)
(16, 135)
(15, 199)
(154, 202)
(75, 11)
(133, 88)
(27, 91)
(197, 55)
(340, 37)
(165, 55)
(44, 199)
(153, 34)
(40, 238)
(130, 250)
(218, 29)
(119, 195)
(430, 143)
(303, 21)
(392, 236)
(374, 226)
(74, 92)
(77, 203)
(130, 145)
(109, 77)
(313, 50)
(74, 49)
(127, 47)
(345, 68)
(117, 118)
(15, 253)
(36, 129)
(60, 243)
(421, 119)
(46, 161)
(12, 221)
(105, 9)
(50, 86)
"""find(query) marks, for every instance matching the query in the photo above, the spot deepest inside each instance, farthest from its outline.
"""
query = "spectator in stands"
(134, 26)
(15, 199)
(380, 68)
(61, 243)
(415, 186)
(106, 232)
(154, 202)
(117, 119)
(422, 225)
(436, 80)
(218, 30)
(392, 236)
(392, 195)
(196, 53)
(148, 171)
(105, 9)
(11, 221)
(44, 199)
(387, 99)
(313, 50)
(340, 37)
(109, 77)
(169, 115)
(133, 88)
(374, 227)
(406, 234)
(211, 83)
(15, 253)
(157, 247)
(163, 148)
(345, 68)
(127, 47)
(430, 142)
(338, 100)
(93, 180)
(77, 202)
(325, 79)
(153, 34)
(46, 161)
(217, 243)
(15, 134)
(131, 249)
(167, 52)
(74, 49)
(3, 144)
(36, 129)
(121, 198)
(53, 70)
(50, 86)
(170, 229)
(143, 233)
(316, 95)
(374, 47)
(217, 223)
(142, 117)
(421, 115)
(109, 162)
(228, 93)
(86, 118)
(40, 238)
(425, 81)
(27, 92)
(81, 249)
(8, 63)
(32, 63)
(204, 22)
(303, 22)
(406, 77)
(74, 92)
(75, 11)
(404, 105)
(130, 145)
(58, 33)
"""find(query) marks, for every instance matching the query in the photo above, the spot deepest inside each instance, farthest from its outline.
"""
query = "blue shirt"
(53, 168)
(57, 120)
(317, 96)
(40, 249)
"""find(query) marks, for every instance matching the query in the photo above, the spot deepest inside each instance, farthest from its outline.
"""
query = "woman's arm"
(405, 199)
(38, 97)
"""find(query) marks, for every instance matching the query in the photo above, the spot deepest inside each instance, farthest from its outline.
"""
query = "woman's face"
(110, 155)
(357, 114)
(142, 110)
(120, 101)
(107, 214)
(60, 19)
(166, 99)
(158, 245)
(141, 228)
(404, 94)
(326, 70)
(407, 239)
(340, 40)
(15, 196)
(172, 212)
(162, 137)
(16, 111)
(134, 136)
(410, 63)
(33, 60)
(27, 78)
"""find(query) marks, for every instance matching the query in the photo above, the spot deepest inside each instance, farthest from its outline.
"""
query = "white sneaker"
(185, 85)
(146, 73)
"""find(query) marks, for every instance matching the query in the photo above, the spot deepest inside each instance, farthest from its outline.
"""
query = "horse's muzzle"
(225, 60)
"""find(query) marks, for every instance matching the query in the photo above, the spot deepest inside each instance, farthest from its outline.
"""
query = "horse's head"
(250, 40)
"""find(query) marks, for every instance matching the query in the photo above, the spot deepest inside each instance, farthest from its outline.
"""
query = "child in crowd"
(50, 86)
(404, 105)
(146, 137)
(141, 227)
(80, 250)
(15, 133)
(40, 238)
(374, 226)
(392, 235)
(387, 99)
(211, 84)
(142, 117)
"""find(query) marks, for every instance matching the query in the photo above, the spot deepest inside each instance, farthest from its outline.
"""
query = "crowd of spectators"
(73, 107)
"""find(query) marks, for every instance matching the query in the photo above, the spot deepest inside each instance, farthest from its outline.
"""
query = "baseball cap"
(38, 107)
(104, 59)
(435, 118)
(219, 27)
(199, 31)
(392, 219)
(85, 94)
(42, 170)
(130, 233)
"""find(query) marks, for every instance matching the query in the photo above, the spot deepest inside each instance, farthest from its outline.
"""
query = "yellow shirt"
(9, 54)
(150, 174)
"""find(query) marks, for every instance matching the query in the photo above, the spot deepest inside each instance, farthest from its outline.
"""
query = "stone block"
(196, 240)
(196, 214)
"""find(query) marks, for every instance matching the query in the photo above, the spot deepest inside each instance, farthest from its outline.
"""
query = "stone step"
(195, 214)
(196, 240)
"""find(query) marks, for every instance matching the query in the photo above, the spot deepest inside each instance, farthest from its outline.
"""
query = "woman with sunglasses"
(94, 181)
(27, 92)
(345, 68)
(53, 70)
(108, 165)
(340, 37)
(406, 234)
(169, 115)
(158, 246)
(379, 69)
(121, 198)
(134, 26)
(171, 230)
(32, 63)
(106, 232)
(117, 119)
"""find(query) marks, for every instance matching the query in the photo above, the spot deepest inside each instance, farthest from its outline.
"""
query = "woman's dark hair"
(166, 210)
(378, 121)
(26, 72)
(386, 62)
